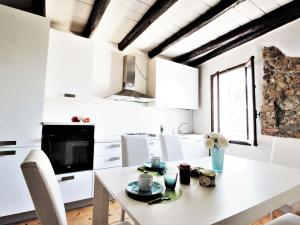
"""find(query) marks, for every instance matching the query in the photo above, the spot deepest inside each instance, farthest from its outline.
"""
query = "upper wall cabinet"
(172, 84)
(70, 65)
(23, 59)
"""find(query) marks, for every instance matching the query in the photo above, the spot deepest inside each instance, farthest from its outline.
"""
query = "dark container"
(184, 173)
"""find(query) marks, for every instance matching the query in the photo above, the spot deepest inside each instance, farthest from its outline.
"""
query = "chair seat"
(286, 219)
(124, 223)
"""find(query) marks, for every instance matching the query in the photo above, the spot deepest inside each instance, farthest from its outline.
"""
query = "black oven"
(70, 148)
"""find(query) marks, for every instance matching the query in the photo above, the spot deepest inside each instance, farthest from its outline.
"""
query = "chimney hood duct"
(128, 92)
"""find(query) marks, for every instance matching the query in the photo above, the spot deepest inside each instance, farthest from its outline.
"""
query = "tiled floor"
(83, 216)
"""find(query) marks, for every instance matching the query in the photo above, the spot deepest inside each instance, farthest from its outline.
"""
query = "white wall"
(115, 118)
(110, 117)
(285, 38)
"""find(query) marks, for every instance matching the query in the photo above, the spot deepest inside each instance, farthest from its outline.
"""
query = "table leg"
(101, 203)
(122, 215)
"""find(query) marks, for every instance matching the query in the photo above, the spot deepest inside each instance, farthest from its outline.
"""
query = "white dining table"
(245, 191)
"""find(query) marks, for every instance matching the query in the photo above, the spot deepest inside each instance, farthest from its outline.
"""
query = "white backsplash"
(115, 118)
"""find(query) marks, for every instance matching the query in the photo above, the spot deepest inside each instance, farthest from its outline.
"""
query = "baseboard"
(17, 218)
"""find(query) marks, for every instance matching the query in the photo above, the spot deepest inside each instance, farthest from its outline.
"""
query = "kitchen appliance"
(70, 148)
(128, 92)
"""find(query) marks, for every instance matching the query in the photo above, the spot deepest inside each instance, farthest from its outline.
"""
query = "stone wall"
(280, 112)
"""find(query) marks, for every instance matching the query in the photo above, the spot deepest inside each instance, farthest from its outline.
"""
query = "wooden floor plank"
(83, 216)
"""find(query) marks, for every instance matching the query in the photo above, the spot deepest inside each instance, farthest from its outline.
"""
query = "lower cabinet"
(76, 186)
(14, 194)
(107, 155)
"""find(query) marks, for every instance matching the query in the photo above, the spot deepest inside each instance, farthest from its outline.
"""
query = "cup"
(145, 182)
(170, 178)
(155, 162)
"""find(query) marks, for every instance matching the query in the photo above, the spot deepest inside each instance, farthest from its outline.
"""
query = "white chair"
(44, 189)
(286, 219)
(134, 150)
(170, 147)
(286, 152)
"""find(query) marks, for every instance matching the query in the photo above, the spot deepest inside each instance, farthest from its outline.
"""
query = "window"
(233, 111)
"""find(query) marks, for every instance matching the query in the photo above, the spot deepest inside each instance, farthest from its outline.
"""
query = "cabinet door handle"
(113, 159)
(3, 153)
(7, 143)
(184, 138)
(67, 178)
(68, 95)
(113, 146)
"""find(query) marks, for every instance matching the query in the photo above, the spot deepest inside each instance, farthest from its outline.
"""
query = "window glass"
(233, 110)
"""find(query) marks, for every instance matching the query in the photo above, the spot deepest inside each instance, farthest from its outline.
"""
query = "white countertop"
(115, 137)
(67, 123)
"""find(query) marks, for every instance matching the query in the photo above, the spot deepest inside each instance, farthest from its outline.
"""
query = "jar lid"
(184, 166)
(209, 173)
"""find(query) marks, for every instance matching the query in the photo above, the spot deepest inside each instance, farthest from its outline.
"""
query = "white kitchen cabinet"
(23, 59)
(193, 146)
(14, 194)
(76, 186)
(70, 65)
(107, 155)
(173, 85)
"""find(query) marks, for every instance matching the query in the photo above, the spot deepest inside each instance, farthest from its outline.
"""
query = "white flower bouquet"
(215, 140)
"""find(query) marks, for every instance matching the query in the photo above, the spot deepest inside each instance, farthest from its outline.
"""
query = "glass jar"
(184, 173)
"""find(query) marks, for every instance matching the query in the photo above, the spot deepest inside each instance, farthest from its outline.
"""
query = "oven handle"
(67, 178)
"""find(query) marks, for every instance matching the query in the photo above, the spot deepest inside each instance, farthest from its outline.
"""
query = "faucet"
(180, 125)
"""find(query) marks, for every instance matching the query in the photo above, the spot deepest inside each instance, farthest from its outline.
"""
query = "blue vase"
(217, 159)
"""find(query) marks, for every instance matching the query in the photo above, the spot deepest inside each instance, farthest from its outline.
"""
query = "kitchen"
(68, 75)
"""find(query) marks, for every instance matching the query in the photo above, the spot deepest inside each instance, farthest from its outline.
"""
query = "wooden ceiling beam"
(195, 25)
(250, 31)
(97, 12)
(39, 7)
(155, 11)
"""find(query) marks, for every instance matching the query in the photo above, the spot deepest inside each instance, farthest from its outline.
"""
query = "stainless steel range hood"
(128, 92)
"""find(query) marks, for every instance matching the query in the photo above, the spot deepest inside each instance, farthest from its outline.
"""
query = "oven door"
(70, 153)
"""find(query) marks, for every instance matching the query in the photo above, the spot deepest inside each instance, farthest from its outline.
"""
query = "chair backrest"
(134, 150)
(44, 189)
(171, 149)
(286, 152)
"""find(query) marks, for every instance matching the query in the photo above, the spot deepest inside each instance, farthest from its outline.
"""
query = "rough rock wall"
(280, 112)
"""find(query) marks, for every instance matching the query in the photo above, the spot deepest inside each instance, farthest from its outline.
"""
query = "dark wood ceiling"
(33, 6)
(189, 32)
